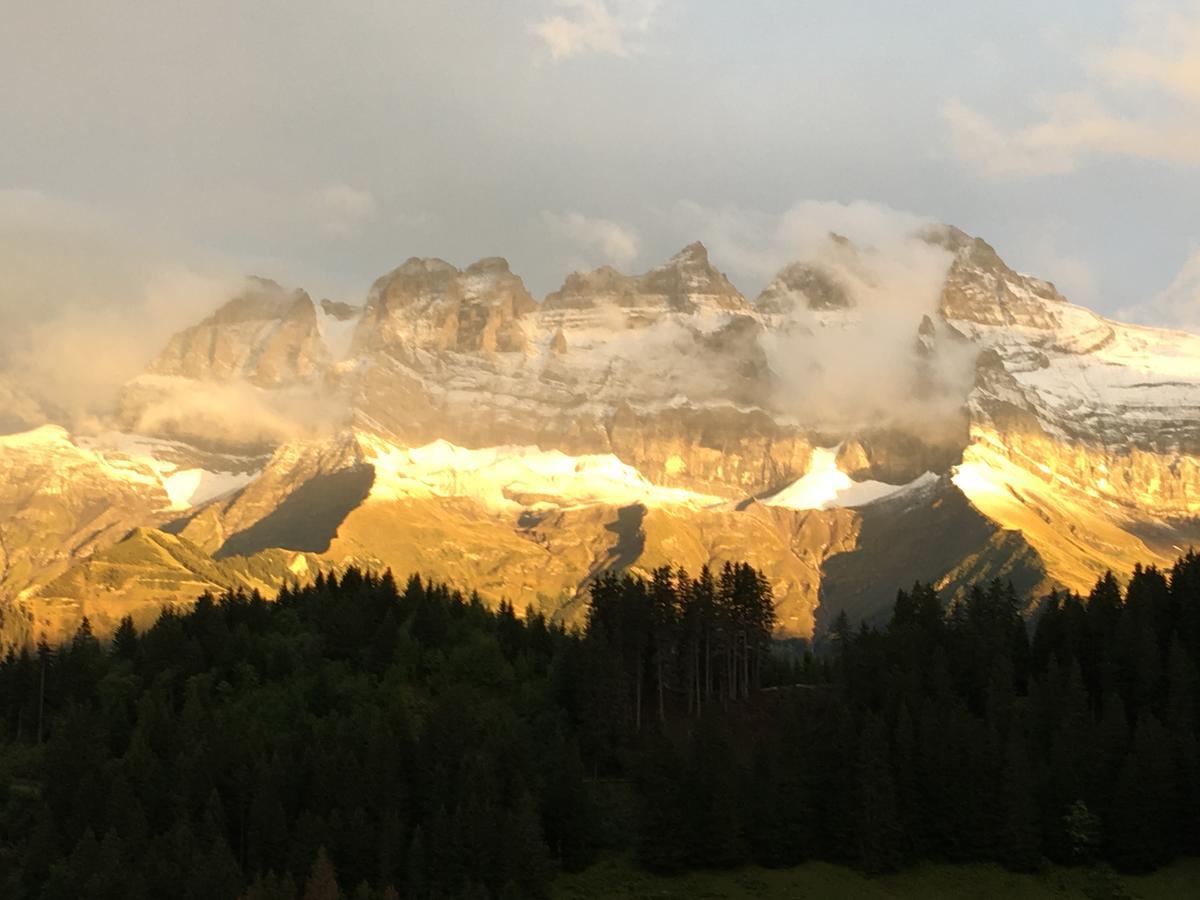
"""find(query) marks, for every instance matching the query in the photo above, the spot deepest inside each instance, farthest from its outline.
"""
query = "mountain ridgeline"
(360, 738)
(916, 410)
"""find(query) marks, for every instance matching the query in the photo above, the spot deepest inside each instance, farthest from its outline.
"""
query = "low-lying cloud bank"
(89, 301)
(86, 301)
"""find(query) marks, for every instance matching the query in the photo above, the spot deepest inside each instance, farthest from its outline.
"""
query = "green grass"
(615, 879)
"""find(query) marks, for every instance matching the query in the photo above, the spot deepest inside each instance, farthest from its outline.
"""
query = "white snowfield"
(337, 335)
(185, 486)
(1092, 376)
(825, 486)
(512, 478)
(133, 460)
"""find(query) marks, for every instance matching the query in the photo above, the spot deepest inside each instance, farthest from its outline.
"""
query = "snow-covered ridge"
(825, 486)
(513, 478)
(139, 462)
(1084, 376)
(185, 485)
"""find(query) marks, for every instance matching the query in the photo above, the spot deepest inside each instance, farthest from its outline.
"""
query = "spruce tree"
(879, 833)
(322, 880)
(1019, 846)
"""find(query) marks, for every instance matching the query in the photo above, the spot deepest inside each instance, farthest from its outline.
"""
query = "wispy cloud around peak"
(595, 238)
(600, 27)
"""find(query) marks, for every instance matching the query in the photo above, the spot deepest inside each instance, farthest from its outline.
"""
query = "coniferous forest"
(360, 738)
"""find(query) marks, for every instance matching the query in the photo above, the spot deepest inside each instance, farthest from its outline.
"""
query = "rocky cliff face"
(455, 425)
(259, 371)
(1084, 432)
(266, 336)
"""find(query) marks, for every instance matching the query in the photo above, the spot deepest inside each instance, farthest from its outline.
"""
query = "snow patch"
(135, 458)
(44, 436)
(192, 487)
(512, 478)
(338, 334)
(825, 486)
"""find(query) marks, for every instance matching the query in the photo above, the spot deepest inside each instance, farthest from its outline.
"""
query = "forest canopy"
(361, 738)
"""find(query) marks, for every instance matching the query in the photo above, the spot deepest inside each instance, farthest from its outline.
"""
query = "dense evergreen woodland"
(356, 738)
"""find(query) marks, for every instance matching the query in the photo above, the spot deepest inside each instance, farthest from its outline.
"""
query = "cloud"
(1074, 278)
(612, 27)
(1178, 305)
(333, 208)
(1139, 99)
(339, 208)
(603, 239)
(861, 369)
(87, 299)
(1163, 52)
(753, 245)
(233, 414)
(1049, 250)
(1022, 152)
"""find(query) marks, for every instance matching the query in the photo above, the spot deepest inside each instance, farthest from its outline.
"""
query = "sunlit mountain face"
(873, 417)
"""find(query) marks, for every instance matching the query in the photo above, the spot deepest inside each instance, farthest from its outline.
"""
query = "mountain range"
(876, 415)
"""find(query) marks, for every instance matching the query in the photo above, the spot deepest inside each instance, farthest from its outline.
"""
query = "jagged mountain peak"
(262, 299)
(694, 254)
(686, 283)
(266, 335)
(604, 285)
(811, 284)
(430, 304)
(824, 281)
(1059, 418)
(489, 265)
(426, 280)
(338, 310)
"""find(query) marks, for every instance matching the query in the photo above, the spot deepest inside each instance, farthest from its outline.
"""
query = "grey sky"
(322, 143)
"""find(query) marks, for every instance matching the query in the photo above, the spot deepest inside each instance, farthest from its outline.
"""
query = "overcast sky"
(323, 143)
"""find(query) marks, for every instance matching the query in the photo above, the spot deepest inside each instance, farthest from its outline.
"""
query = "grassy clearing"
(616, 879)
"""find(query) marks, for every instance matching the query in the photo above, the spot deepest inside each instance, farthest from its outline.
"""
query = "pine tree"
(879, 833)
(523, 848)
(322, 880)
(125, 640)
(1020, 829)
(910, 803)
(416, 878)
(1142, 802)
(710, 800)
(662, 829)
(42, 850)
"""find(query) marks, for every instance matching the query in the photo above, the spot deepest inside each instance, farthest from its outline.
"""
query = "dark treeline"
(706, 638)
(956, 736)
(359, 739)
(403, 742)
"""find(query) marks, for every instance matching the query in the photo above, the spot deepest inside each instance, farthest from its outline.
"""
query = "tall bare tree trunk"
(707, 666)
(662, 712)
(746, 665)
(638, 698)
(42, 701)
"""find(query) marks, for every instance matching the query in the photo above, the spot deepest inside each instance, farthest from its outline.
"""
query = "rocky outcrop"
(687, 283)
(803, 284)
(428, 304)
(267, 336)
